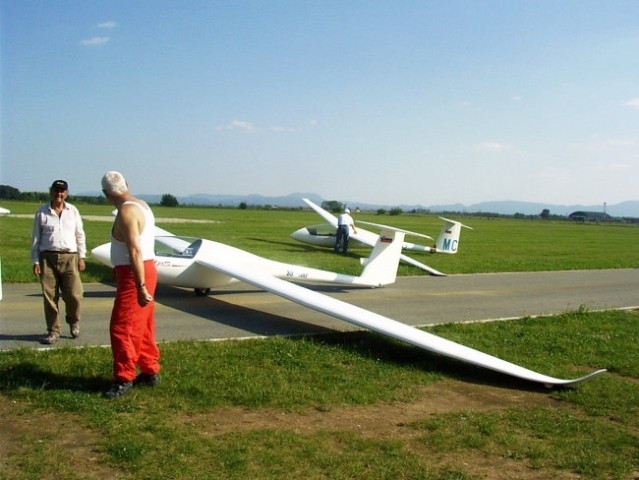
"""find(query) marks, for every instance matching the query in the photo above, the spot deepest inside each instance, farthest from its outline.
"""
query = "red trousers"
(132, 327)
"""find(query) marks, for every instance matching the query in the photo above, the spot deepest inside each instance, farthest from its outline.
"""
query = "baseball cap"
(59, 185)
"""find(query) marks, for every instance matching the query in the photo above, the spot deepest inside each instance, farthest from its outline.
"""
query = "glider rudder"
(448, 239)
(380, 267)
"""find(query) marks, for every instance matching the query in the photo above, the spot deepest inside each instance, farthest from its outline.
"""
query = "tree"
(333, 206)
(243, 206)
(545, 214)
(8, 192)
(169, 200)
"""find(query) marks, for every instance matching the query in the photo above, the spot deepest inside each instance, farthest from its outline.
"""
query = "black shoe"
(147, 380)
(119, 389)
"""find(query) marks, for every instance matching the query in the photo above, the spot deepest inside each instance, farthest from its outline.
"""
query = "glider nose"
(103, 254)
(301, 234)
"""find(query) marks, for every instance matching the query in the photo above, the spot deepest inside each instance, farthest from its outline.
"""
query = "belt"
(64, 252)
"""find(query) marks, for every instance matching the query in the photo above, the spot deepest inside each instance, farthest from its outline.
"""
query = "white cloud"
(108, 25)
(490, 147)
(250, 127)
(632, 103)
(614, 168)
(95, 41)
(619, 143)
(602, 144)
(246, 126)
(238, 125)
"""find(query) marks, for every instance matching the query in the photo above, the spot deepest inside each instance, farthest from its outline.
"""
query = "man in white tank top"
(132, 327)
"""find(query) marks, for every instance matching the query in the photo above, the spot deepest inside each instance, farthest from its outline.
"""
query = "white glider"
(324, 236)
(203, 264)
(4, 211)
(191, 262)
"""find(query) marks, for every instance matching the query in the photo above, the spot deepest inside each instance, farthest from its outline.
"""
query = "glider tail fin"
(448, 239)
(381, 267)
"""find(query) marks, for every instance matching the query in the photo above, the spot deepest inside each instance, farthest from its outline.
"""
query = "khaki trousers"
(60, 278)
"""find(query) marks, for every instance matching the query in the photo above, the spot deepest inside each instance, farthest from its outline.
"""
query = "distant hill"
(624, 209)
(505, 207)
(289, 201)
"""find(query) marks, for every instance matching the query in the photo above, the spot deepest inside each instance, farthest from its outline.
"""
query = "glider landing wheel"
(202, 292)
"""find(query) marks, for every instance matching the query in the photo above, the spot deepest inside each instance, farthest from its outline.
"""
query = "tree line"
(7, 192)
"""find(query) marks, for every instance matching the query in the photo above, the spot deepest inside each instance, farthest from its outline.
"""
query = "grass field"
(494, 245)
(340, 406)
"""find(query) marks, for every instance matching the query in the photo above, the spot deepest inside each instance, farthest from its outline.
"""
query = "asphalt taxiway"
(241, 311)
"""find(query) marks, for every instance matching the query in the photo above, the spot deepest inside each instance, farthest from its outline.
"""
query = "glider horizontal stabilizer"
(407, 232)
(415, 263)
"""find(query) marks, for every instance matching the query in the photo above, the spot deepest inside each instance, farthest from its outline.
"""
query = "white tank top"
(119, 250)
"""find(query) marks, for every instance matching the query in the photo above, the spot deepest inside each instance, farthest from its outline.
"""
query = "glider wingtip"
(562, 383)
(435, 273)
(596, 373)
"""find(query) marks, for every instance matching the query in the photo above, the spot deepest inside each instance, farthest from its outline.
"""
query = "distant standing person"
(344, 224)
(132, 327)
(58, 249)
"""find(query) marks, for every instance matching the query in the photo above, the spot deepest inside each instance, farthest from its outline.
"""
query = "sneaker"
(50, 339)
(75, 330)
(147, 380)
(119, 389)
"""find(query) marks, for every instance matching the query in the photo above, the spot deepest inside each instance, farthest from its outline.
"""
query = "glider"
(203, 264)
(323, 235)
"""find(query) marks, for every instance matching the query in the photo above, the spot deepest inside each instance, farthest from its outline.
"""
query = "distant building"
(581, 216)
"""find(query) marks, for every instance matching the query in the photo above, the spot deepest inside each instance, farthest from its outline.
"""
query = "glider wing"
(380, 324)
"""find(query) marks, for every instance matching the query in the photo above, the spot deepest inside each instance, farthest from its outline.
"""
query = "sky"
(387, 102)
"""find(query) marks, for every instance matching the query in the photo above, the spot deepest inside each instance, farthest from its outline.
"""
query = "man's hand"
(144, 297)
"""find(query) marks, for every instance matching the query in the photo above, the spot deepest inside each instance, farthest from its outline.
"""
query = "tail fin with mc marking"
(448, 240)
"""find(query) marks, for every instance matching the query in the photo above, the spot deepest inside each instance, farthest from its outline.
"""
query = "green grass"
(258, 409)
(494, 245)
(169, 431)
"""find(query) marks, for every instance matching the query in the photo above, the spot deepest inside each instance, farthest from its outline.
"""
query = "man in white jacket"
(58, 249)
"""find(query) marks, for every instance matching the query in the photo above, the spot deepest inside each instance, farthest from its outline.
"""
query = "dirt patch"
(381, 421)
(392, 422)
(76, 446)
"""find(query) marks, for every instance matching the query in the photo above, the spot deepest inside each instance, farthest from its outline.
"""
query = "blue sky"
(393, 102)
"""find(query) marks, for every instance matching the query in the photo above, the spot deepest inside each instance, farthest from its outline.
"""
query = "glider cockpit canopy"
(177, 247)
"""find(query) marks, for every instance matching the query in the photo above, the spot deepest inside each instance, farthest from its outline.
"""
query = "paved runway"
(240, 312)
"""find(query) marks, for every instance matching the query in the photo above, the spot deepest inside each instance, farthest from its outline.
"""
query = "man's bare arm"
(132, 224)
